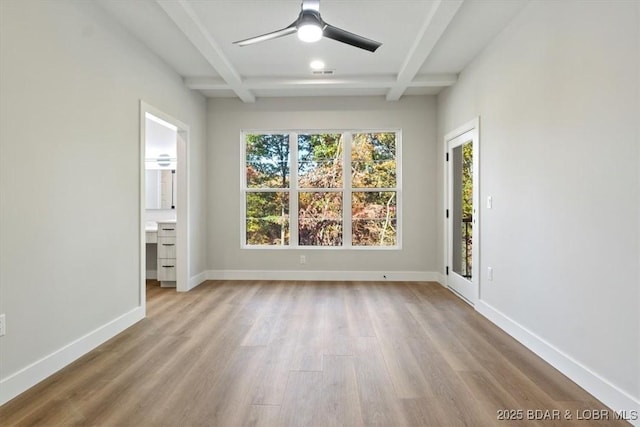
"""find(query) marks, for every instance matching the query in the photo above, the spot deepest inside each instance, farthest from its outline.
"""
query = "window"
(298, 178)
(267, 189)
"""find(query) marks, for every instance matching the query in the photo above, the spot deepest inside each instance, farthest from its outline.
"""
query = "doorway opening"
(462, 211)
(163, 192)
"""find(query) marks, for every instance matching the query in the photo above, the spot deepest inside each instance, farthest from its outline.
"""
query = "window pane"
(319, 219)
(373, 160)
(267, 218)
(320, 160)
(373, 218)
(267, 161)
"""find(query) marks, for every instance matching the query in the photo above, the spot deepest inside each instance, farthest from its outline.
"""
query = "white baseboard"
(31, 375)
(404, 276)
(197, 279)
(603, 390)
(151, 275)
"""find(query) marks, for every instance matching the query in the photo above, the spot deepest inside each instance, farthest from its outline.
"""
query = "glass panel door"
(462, 209)
(462, 226)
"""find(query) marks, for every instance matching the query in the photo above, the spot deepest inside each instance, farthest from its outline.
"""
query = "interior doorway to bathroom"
(163, 190)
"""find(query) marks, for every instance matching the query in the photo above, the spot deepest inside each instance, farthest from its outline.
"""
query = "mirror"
(160, 188)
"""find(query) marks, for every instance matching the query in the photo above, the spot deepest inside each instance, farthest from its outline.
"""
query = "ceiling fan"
(311, 27)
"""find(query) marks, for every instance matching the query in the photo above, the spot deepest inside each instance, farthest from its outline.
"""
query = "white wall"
(414, 115)
(71, 82)
(558, 98)
(160, 140)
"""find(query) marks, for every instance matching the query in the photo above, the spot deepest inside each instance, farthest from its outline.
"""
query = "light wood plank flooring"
(304, 354)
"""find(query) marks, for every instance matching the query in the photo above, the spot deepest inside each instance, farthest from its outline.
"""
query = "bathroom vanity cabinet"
(167, 253)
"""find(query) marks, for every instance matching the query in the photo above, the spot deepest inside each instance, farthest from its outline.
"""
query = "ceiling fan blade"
(311, 5)
(269, 36)
(345, 36)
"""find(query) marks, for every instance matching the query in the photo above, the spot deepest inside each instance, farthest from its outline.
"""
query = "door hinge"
(447, 157)
(446, 269)
(447, 213)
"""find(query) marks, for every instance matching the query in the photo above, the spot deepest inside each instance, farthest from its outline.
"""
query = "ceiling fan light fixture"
(309, 26)
(309, 32)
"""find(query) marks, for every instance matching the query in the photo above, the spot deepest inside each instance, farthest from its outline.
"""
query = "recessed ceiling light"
(316, 64)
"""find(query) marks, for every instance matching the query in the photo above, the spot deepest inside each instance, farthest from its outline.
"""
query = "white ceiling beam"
(439, 18)
(318, 82)
(205, 83)
(188, 22)
(384, 82)
(433, 80)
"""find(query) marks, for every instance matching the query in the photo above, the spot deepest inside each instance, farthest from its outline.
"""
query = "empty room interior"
(320, 213)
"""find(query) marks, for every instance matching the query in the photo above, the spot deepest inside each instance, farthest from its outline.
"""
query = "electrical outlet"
(490, 273)
(303, 259)
(3, 324)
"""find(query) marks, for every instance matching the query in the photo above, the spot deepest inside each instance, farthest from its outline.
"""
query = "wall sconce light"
(164, 160)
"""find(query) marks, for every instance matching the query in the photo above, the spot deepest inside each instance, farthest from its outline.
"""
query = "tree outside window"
(310, 189)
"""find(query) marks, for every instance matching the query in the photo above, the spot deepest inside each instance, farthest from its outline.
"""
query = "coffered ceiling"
(425, 44)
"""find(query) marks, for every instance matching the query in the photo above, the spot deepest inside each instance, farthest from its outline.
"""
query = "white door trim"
(182, 211)
(473, 127)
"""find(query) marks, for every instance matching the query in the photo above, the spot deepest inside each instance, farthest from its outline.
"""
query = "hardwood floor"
(306, 354)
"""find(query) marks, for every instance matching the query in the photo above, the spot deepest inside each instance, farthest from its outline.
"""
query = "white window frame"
(294, 190)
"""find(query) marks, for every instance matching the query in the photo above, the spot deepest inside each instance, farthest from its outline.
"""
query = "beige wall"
(414, 115)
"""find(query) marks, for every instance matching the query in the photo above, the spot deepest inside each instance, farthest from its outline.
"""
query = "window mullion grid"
(346, 190)
(346, 194)
(293, 190)
(243, 188)
(374, 189)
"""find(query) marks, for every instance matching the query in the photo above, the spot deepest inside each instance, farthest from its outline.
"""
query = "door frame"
(182, 205)
(472, 126)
